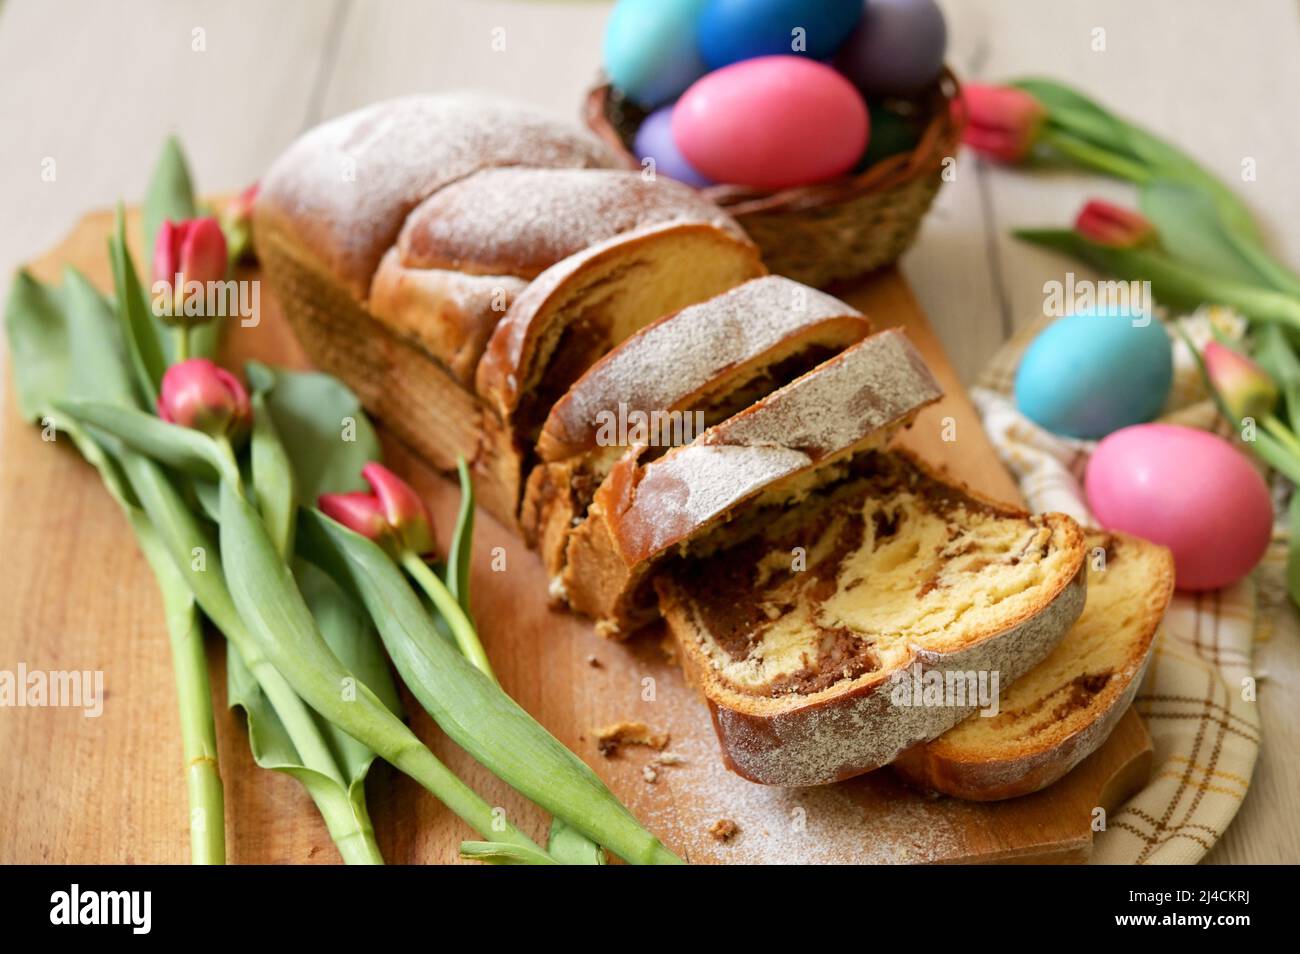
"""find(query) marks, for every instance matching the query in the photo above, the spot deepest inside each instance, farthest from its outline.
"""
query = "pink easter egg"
(1188, 490)
(771, 123)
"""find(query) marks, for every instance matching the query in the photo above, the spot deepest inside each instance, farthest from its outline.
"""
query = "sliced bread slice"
(1057, 714)
(807, 634)
(777, 450)
(667, 383)
(584, 306)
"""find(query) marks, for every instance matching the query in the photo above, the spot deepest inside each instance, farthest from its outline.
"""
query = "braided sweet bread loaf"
(492, 287)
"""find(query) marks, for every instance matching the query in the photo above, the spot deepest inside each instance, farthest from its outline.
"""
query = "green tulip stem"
(446, 604)
(193, 690)
(199, 742)
(1094, 157)
(182, 343)
(1282, 433)
(349, 826)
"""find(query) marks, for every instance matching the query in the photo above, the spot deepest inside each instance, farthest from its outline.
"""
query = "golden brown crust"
(449, 314)
(1021, 761)
(512, 363)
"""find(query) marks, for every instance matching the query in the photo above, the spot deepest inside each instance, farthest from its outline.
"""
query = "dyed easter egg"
(1189, 490)
(771, 123)
(733, 30)
(654, 140)
(897, 47)
(650, 52)
(890, 135)
(1095, 372)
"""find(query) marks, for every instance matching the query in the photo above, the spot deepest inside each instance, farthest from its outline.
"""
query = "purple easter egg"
(654, 140)
(897, 47)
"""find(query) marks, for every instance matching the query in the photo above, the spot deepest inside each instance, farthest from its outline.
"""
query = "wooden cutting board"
(75, 594)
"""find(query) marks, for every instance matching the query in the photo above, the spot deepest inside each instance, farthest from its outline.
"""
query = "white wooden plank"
(543, 53)
(97, 86)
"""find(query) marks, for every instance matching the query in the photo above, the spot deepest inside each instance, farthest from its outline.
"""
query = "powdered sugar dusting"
(696, 346)
(520, 221)
(506, 350)
(822, 415)
(840, 403)
(348, 184)
(870, 820)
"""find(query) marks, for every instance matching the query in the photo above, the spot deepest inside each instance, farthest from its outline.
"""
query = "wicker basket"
(833, 230)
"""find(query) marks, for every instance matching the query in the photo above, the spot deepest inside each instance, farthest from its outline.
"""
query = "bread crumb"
(649, 774)
(724, 829)
(668, 646)
(593, 662)
(613, 737)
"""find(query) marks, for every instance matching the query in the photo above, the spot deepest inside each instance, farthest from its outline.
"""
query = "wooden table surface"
(89, 89)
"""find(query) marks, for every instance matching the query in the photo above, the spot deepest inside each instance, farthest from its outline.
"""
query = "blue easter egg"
(654, 140)
(650, 49)
(1092, 373)
(734, 30)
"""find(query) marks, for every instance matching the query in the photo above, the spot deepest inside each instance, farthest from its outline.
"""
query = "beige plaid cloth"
(1198, 695)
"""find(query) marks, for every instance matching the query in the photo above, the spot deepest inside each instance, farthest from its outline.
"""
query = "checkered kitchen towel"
(1206, 732)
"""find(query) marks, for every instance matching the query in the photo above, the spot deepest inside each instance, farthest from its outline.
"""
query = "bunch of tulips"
(219, 482)
(1191, 237)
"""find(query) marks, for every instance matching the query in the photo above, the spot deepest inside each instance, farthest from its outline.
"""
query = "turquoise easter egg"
(1092, 373)
(650, 50)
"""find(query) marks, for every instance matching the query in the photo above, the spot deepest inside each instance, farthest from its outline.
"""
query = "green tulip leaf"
(462, 540)
(1173, 282)
(349, 633)
(1192, 230)
(569, 846)
(140, 328)
(496, 853)
(351, 637)
(273, 477)
(1275, 352)
(277, 616)
(182, 448)
(38, 344)
(1082, 117)
(470, 707)
(325, 430)
(170, 195)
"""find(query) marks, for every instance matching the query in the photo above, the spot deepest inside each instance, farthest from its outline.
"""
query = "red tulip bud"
(1113, 225)
(1002, 122)
(185, 252)
(392, 514)
(237, 223)
(1245, 387)
(357, 511)
(199, 394)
